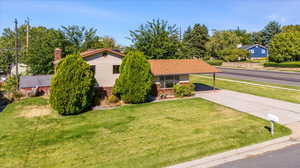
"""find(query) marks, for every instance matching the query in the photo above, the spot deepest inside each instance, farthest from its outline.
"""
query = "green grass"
(144, 135)
(275, 93)
(292, 64)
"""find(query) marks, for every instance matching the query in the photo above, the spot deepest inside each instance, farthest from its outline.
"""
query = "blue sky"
(116, 17)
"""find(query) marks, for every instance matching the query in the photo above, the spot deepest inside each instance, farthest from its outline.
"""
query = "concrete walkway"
(288, 113)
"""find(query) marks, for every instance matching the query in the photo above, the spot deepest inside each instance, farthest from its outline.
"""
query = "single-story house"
(41, 83)
(256, 51)
(166, 73)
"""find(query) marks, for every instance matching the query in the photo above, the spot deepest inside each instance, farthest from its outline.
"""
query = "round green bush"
(72, 86)
(215, 62)
(231, 55)
(183, 90)
(113, 99)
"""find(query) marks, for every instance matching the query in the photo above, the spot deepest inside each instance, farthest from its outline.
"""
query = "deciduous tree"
(221, 40)
(156, 39)
(285, 46)
(291, 28)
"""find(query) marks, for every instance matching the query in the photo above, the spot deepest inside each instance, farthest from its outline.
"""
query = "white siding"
(104, 68)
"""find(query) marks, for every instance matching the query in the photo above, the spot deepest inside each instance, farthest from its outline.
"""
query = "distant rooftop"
(246, 47)
(35, 81)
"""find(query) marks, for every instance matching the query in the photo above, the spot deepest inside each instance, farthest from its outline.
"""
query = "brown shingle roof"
(91, 52)
(180, 66)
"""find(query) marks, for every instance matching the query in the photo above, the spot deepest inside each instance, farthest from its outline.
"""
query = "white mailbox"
(273, 118)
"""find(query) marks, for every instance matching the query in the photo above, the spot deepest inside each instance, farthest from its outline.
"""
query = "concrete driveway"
(288, 113)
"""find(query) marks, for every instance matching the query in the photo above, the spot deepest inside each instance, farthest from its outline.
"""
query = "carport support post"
(214, 81)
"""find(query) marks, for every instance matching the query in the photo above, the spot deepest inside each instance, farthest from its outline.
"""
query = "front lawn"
(274, 93)
(144, 135)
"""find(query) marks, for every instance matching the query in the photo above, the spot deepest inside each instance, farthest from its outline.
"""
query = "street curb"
(237, 154)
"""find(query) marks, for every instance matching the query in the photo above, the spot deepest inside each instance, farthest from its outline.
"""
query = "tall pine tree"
(194, 41)
(271, 29)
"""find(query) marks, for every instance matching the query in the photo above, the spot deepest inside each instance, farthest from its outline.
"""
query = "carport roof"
(180, 66)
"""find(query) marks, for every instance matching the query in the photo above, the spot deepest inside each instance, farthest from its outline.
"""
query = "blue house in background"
(256, 51)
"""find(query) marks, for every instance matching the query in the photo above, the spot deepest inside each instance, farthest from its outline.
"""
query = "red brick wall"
(44, 90)
(169, 91)
(103, 92)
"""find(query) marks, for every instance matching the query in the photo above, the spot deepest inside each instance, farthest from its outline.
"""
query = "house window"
(252, 51)
(168, 81)
(263, 51)
(116, 69)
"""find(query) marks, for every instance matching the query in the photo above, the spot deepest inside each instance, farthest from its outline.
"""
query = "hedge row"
(215, 62)
(295, 64)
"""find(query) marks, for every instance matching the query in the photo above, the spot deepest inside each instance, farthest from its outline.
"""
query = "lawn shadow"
(268, 128)
(203, 87)
(3, 102)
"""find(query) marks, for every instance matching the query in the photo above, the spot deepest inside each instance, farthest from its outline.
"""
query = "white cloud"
(278, 18)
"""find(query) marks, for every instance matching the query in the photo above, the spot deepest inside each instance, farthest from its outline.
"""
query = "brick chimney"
(57, 54)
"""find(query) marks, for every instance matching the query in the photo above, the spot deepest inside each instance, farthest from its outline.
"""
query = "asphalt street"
(283, 78)
(288, 157)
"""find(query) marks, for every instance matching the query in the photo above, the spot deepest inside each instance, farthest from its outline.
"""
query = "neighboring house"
(256, 51)
(22, 69)
(106, 63)
(39, 83)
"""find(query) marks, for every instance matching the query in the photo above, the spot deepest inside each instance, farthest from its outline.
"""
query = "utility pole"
(27, 35)
(17, 51)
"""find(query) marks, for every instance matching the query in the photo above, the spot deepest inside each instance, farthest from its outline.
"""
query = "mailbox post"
(273, 118)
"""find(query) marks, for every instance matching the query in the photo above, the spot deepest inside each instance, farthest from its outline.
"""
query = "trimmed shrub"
(135, 80)
(72, 86)
(11, 88)
(113, 99)
(231, 55)
(183, 90)
(10, 85)
(295, 64)
(215, 62)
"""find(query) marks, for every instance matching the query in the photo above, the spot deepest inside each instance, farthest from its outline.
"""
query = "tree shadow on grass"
(268, 128)
(3, 102)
